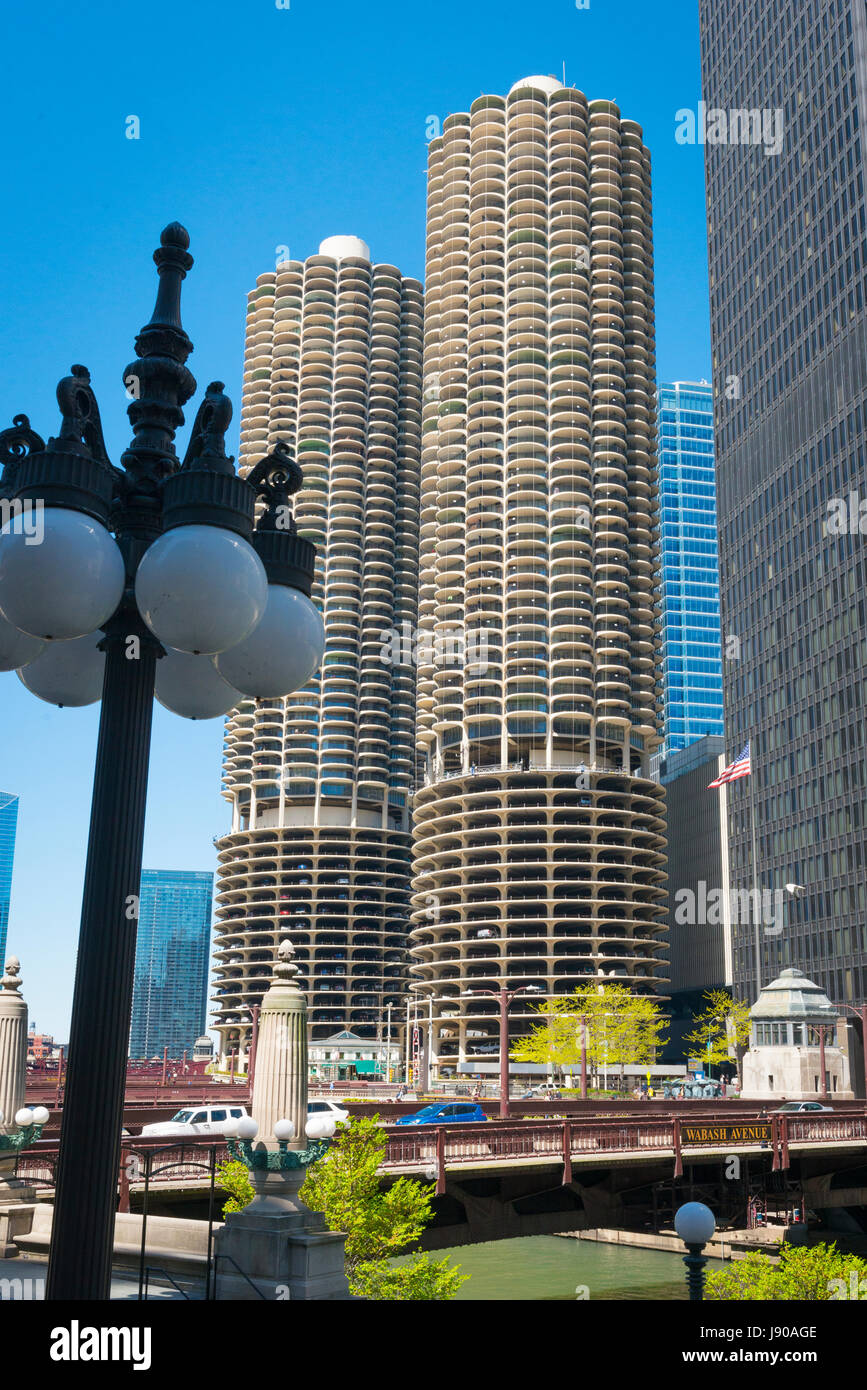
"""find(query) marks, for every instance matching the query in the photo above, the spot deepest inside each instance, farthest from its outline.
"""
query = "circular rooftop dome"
(541, 84)
(342, 247)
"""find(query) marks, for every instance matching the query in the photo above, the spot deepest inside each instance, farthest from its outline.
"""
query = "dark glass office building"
(788, 245)
(8, 826)
(171, 962)
(691, 652)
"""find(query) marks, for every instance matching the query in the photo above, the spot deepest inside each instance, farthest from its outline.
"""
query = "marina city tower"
(320, 782)
(539, 842)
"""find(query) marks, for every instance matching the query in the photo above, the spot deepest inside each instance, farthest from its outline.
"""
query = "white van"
(200, 1119)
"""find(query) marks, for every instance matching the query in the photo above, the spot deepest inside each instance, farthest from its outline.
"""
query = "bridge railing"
(438, 1147)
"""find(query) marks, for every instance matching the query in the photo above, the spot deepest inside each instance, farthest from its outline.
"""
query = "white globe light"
(320, 1127)
(67, 673)
(65, 586)
(695, 1223)
(230, 1129)
(193, 687)
(24, 1116)
(284, 1130)
(2, 1117)
(16, 648)
(282, 652)
(201, 588)
(247, 1127)
(40, 1115)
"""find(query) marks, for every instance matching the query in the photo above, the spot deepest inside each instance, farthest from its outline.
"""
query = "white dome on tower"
(342, 247)
(541, 84)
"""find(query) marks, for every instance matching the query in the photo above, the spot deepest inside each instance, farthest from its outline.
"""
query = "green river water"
(544, 1268)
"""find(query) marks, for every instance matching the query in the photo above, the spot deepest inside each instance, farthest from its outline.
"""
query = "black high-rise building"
(787, 84)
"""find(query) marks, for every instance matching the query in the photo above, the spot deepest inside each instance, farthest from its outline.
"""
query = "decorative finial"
(175, 235)
(207, 446)
(159, 383)
(285, 970)
(10, 980)
(81, 423)
(276, 477)
(16, 444)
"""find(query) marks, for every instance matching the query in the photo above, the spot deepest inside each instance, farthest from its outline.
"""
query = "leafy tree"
(816, 1273)
(345, 1186)
(619, 1028)
(721, 1028)
(234, 1178)
(419, 1279)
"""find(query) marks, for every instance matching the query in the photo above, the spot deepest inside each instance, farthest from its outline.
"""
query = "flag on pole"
(741, 767)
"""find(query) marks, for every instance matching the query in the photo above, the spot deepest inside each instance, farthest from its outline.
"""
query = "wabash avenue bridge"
(628, 1170)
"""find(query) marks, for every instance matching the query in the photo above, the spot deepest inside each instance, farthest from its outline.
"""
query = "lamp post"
(152, 565)
(505, 997)
(695, 1224)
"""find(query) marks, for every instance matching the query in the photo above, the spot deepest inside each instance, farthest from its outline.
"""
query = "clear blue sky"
(260, 127)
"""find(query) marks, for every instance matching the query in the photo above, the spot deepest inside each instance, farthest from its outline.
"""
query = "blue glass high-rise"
(8, 825)
(692, 653)
(171, 962)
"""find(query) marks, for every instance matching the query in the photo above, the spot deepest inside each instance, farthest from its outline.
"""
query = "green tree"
(816, 1273)
(345, 1186)
(234, 1178)
(722, 1029)
(618, 1027)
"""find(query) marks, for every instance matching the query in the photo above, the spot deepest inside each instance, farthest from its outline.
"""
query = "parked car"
(327, 1107)
(445, 1115)
(198, 1119)
(800, 1107)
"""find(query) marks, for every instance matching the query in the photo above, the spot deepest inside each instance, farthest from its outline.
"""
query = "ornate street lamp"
(136, 582)
(30, 1122)
(240, 1134)
(504, 997)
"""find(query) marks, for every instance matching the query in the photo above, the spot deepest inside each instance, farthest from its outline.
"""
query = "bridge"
(544, 1175)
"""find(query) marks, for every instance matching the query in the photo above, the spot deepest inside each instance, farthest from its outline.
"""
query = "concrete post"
(13, 1044)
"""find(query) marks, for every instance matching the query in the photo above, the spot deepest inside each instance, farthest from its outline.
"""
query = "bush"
(818, 1273)
(234, 1178)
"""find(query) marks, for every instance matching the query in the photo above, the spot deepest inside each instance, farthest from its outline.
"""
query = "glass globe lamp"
(201, 589)
(67, 585)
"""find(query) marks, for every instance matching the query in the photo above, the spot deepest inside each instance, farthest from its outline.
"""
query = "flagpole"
(756, 894)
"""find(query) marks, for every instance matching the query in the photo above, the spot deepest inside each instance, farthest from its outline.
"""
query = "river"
(550, 1268)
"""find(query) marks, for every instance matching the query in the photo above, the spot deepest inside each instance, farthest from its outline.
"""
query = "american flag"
(741, 767)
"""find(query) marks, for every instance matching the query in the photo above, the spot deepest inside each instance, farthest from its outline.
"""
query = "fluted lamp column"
(13, 1043)
(280, 1082)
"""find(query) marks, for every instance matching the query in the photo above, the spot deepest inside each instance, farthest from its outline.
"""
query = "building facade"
(788, 260)
(8, 828)
(320, 782)
(691, 649)
(170, 989)
(539, 835)
(699, 904)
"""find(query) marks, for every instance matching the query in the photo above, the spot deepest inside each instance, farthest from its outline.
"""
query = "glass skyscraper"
(8, 823)
(788, 274)
(171, 962)
(692, 655)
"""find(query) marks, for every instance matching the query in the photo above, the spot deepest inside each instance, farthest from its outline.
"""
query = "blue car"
(444, 1115)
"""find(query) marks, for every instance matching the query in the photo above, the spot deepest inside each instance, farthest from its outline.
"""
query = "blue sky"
(259, 127)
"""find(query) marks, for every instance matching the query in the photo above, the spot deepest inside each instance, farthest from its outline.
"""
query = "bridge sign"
(725, 1132)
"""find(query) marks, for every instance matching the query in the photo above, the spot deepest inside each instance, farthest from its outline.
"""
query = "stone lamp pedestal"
(277, 1248)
